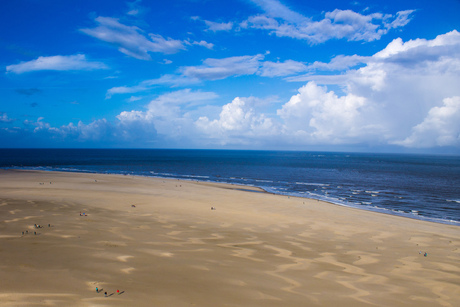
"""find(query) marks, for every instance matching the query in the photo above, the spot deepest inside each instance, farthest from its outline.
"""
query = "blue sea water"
(424, 187)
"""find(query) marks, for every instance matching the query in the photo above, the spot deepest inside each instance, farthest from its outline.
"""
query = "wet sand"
(160, 244)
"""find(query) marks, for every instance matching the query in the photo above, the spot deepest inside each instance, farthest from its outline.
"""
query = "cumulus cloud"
(322, 116)
(57, 62)
(131, 40)
(392, 97)
(441, 127)
(238, 122)
(168, 113)
(338, 24)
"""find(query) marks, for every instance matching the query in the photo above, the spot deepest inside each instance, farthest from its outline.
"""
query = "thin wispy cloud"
(215, 69)
(57, 63)
(131, 40)
(337, 24)
(218, 26)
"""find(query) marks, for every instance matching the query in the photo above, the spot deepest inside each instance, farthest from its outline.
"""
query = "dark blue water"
(418, 186)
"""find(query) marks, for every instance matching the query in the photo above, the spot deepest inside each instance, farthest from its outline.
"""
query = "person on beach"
(118, 291)
(105, 293)
(97, 289)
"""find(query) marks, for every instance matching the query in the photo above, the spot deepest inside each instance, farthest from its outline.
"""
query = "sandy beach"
(155, 242)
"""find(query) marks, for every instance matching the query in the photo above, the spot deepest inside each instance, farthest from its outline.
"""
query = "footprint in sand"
(124, 258)
(128, 270)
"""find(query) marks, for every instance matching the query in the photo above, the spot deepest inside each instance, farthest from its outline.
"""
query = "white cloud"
(57, 62)
(134, 98)
(338, 24)
(215, 69)
(131, 40)
(5, 119)
(280, 69)
(216, 26)
(136, 9)
(238, 123)
(320, 116)
(203, 44)
(441, 127)
(340, 62)
(393, 99)
(276, 9)
(402, 19)
(168, 113)
(170, 80)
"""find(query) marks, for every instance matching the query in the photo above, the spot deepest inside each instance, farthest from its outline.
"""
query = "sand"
(159, 243)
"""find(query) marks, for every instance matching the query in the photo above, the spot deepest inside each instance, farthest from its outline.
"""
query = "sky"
(367, 76)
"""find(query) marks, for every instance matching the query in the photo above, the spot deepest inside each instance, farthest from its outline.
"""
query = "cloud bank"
(406, 95)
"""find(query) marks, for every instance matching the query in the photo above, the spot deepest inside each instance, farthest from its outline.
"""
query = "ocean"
(425, 187)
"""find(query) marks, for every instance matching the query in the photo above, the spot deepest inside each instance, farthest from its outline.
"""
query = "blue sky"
(239, 74)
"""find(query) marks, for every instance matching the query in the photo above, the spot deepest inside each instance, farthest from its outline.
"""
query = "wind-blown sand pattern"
(171, 249)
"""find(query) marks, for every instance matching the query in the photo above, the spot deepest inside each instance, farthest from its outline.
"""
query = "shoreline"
(160, 242)
(258, 189)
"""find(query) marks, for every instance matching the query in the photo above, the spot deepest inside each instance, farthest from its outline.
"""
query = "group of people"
(36, 226)
(105, 293)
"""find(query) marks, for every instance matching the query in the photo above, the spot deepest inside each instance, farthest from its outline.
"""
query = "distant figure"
(213, 208)
(35, 232)
(23, 233)
(97, 289)
(118, 291)
(105, 294)
(49, 225)
(426, 254)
